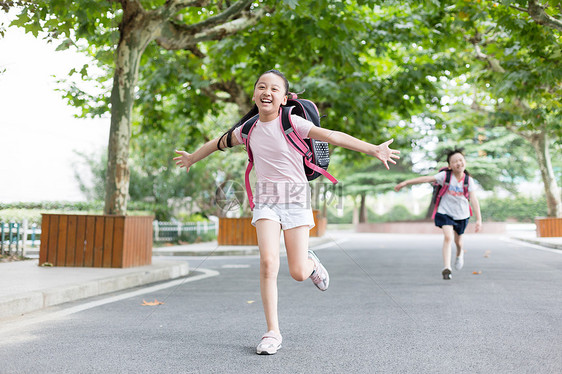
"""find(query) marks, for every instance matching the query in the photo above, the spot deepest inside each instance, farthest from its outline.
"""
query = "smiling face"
(270, 93)
(457, 163)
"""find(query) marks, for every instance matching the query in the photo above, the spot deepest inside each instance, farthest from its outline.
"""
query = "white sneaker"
(459, 262)
(319, 276)
(270, 343)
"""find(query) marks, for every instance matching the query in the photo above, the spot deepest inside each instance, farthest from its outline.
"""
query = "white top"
(279, 167)
(453, 203)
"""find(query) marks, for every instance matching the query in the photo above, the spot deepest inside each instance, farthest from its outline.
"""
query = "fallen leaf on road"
(151, 303)
(477, 272)
(487, 254)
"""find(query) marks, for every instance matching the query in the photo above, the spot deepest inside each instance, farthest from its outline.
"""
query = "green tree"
(522, 72)
(543, 13)
(371, 74)
(160, 179)
(352, 72)
(133, 26)
(510, 53)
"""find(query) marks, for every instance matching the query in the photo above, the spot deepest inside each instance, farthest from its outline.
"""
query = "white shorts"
(288, 216)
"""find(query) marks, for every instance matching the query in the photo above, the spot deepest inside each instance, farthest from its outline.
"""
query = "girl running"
(282, 195)
(453, 211)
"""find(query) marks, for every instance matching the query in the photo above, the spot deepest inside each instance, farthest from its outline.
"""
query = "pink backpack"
(316, 157)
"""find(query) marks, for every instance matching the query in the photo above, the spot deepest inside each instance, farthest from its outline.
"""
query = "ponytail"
(228, 134)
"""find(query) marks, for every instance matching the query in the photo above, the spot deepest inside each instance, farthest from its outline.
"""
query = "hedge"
(494, 209)
(32, 210)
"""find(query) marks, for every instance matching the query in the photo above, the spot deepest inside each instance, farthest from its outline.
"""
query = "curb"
(16, 305)
(542, 243)
(226, 250)
(218, 251)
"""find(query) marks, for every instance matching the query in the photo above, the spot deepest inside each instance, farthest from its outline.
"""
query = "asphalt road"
(387, 310)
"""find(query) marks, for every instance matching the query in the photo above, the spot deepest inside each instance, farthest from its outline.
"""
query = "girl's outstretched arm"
(186, 160)
(418, 180)
(341, 139)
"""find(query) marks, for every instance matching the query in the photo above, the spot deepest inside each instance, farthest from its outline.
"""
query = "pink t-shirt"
(278, 166)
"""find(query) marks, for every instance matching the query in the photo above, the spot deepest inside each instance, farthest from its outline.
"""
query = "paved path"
(387, 311)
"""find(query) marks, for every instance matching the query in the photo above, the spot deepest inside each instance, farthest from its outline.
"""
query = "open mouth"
(266, 101)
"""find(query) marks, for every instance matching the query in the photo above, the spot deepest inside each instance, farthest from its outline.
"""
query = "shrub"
(196, 217)
(521, 209)
(494, 209)
(334, 218)
(194, 237)
(32, 210)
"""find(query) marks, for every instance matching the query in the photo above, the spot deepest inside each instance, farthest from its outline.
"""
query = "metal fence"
(16, 238)
(176, 231)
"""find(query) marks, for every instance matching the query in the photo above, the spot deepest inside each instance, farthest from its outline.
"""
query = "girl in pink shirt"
(282, 192)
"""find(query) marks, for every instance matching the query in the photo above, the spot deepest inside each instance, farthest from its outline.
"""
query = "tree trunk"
(363, 209)
(133, 41)
(137, 29)
(541, 144)
(355, 214)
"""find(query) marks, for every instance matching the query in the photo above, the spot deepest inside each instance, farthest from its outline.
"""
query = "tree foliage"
(453, 71)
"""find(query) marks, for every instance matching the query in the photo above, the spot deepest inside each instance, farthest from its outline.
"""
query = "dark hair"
(279, 74)
(454, 151)
(252, 111)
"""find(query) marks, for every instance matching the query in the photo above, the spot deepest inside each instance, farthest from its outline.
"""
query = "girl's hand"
(385, 154)
(478, 226)
(399, 186)
(184, 160)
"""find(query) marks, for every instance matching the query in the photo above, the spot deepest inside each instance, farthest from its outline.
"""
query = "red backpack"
(440, 190)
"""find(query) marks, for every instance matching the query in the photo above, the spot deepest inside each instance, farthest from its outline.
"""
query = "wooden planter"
(236, 231)
(320, 222)
(548, 227)
(239, 231)
(96, 240)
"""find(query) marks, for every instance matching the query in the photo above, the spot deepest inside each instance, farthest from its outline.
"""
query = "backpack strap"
(445, 187)
(291, 135)
(465, 187)
(299, 144)
(465, 190)
(247, 129)
(442, 191)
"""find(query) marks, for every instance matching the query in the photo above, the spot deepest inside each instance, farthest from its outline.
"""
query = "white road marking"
(329, 244)
(19, 324)
(236, 266)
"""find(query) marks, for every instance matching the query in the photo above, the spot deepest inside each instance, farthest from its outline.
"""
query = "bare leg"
(447, 242)
(296, 242)
(458, 243)
(268, 242)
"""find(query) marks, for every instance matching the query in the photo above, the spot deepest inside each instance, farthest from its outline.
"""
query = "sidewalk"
(527, 233)
(27, 287)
